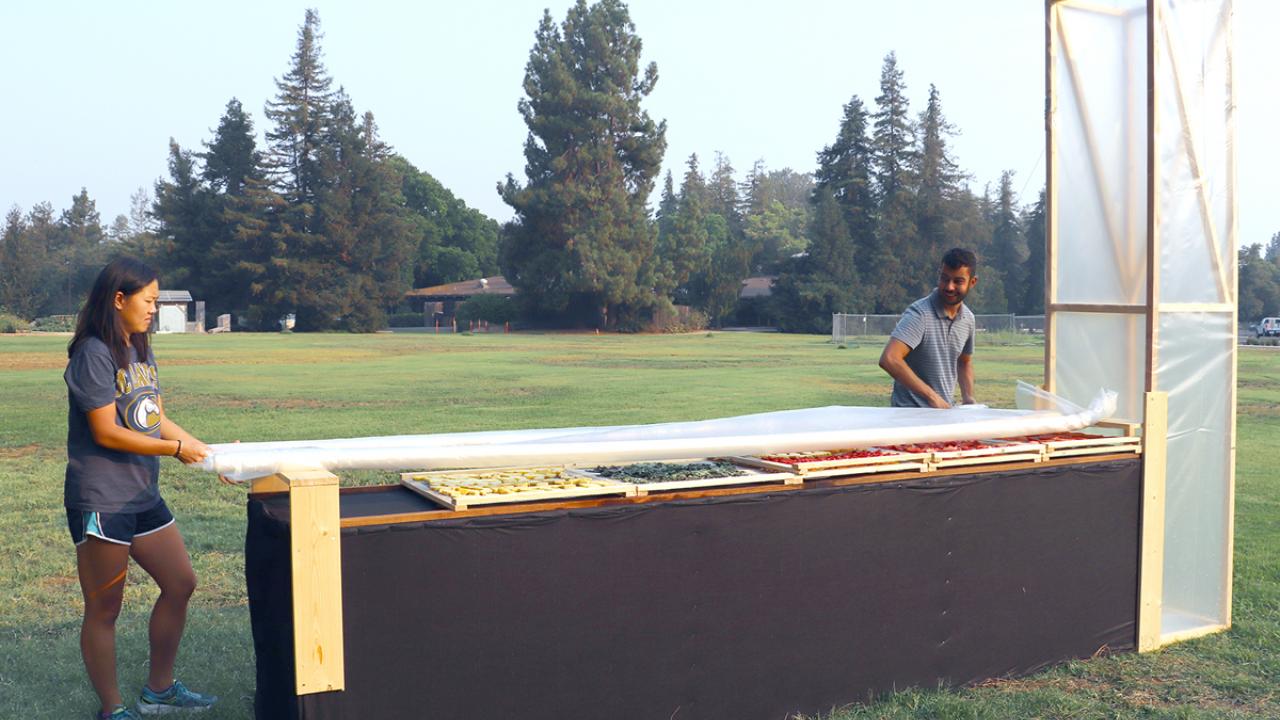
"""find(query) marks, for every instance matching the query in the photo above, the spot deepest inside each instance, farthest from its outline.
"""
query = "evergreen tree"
(22, 267)
(723, 191)
(1259, 291)
(581, 239)
(183, 211)
(845, 175)
(1273, 250)
(368, 237)
(1033, 298)
(823, 281)
(78, 249)
(232, 159)
(42, 234)
(683, 251)
(299, 117)
(938, 179)
(1007, 253)
(900, 276)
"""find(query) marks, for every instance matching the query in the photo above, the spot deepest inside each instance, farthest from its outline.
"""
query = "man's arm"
(893, 360)
(964, 377)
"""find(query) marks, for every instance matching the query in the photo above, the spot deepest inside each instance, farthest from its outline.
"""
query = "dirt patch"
(205, 401)
(33, 361)
(14, 453)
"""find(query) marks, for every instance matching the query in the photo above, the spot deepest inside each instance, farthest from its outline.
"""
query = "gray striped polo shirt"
(936, 343)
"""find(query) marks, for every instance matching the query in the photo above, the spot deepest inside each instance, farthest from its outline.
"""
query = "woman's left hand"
(193, 451)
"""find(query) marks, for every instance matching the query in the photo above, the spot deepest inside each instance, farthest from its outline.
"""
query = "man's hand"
(893, 360)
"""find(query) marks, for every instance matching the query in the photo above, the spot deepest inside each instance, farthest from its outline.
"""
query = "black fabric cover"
(744, 607)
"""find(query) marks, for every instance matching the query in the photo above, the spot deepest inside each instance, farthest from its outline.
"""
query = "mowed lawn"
(268, 387)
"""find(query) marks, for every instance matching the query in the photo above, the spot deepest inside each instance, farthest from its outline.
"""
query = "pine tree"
(581, 239)
(22, 267)
(232, 159)
(1033, 297)
(900, 273)
(299, 117)
(938, 180)
(684, 248)
(183, 212)
(78, 248)
(1007, 254)
(845, 175)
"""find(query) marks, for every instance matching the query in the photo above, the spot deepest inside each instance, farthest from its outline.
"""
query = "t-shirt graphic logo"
(144, 413)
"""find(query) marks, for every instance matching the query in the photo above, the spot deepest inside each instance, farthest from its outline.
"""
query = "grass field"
(260, 387)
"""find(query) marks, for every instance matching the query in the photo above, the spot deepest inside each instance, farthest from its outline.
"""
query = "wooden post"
(1155, 437)
(1051, 196)
(315, 539)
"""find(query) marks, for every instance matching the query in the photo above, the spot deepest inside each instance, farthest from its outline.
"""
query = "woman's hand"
(193, 451)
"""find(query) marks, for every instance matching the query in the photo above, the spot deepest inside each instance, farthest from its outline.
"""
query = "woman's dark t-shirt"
(99, 479)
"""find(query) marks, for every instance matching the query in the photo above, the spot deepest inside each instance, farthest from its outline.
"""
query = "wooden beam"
(1153, 207)
(1155, 438)
(1051, 195)
(315, 539)
(1091, 8)
(1225, 30)
(1103, 308)
(1196, 307)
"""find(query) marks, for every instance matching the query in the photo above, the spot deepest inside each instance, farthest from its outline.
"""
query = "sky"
(91, 92)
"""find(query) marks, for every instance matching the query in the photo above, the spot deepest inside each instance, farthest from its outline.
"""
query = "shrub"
(10, 323)
(669, 318)
(405, 319)
(492, 308)
(55, 323)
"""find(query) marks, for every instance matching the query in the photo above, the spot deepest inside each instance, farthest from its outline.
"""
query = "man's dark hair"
(957, 258)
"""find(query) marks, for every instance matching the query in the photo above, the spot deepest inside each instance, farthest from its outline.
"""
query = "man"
(931, 349)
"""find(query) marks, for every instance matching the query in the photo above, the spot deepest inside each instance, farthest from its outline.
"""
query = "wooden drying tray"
(816, 467)
(1096, 445)
(420, 482)
(993, 452)
(750, 476)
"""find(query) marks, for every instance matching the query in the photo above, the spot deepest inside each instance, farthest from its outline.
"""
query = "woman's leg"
(102, 567)
(163, 555)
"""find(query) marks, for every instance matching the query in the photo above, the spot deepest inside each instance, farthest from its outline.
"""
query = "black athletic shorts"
(118, 528)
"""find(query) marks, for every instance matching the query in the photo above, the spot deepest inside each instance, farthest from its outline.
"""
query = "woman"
(116, 433)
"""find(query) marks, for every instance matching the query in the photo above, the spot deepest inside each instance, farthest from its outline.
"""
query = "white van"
(1268, 327)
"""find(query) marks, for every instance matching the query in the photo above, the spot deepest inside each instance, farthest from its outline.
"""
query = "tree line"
(326, 221)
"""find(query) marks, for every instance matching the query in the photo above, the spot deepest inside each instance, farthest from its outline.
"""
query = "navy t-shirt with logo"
(99, 479)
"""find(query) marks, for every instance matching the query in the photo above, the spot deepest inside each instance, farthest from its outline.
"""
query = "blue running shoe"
(177, 699)
(120, 713)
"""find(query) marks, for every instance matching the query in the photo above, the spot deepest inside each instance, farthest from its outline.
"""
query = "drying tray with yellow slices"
(461, 489)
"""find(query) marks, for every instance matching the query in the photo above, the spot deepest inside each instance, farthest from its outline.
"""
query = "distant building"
(758, 286)
(172, 310)
(441, 301)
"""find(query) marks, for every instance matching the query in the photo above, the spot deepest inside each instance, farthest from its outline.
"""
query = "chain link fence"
(846, 325)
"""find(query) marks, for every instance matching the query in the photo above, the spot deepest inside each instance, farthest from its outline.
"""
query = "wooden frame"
(315, 536)
(419, 482)
(1164, 80)
(750, 476)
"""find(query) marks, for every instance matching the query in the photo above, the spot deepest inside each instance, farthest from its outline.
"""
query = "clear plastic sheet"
(1195, 349)
(789, 430)
(1101, 161)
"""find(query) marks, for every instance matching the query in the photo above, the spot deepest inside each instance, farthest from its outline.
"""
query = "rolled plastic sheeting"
(783, 431)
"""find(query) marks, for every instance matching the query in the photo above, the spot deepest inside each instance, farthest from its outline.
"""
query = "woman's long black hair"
(99, 317)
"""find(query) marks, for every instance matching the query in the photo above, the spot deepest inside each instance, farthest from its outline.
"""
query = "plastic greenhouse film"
(783, 431)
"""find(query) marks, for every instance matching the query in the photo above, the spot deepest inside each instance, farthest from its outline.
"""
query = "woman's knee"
(182, 586)
(103, 609)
